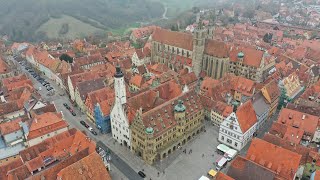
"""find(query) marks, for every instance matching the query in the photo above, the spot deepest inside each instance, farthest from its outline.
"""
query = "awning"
(212, 173)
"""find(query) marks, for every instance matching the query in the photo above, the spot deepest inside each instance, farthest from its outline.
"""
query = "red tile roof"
(10, 127)
(282, 161)
(246, 116)
(90, 167)
(177, 39)
(188, 79)
(161, 118)
(137, 80)
(303, 121)
(46, 123)
(221, 176)
(272, 90)
(143, 31)
(252, 57)
(105, 97)
(216, 48)
(4, 68)
(7, 167)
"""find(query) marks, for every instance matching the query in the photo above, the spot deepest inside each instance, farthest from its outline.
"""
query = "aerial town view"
(160, 90)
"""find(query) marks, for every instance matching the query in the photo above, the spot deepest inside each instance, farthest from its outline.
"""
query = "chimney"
(303, 117)
(35, 120)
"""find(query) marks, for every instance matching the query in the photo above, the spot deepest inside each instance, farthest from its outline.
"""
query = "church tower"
(119, 87)
(199, 38)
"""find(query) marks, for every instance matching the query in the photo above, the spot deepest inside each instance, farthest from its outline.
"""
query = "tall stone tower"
(119, 87)
(199, 38)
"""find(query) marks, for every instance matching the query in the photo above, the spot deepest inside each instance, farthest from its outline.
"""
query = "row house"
(239, 127)
(86, 62)
(142, 33)
(141, 56)
(262, 109)
(85, 87)
(271, 93)
(291, 85)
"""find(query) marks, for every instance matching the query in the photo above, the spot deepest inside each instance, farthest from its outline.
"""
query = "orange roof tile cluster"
(143, 52)
(90, 167)
(161, 118)
(154, 97)
(220, 107)
(88, 60)
(104, 97)
(4, 68)
(137, 80)
(221, 176)
(177, 39)
(61, 150)
(10, 127)
(216, 48)
(46, 123)
(306, 122)
(297, 148)
(246, 116)
(282, 161)
(188, 78)
(143, 31)
(9, 80)
(252, 57)
(90, 75)
(158, 68)
(7, 167)
(218, 90)
(312, 93)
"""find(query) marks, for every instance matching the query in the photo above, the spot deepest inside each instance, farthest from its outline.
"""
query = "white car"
(40, 88)
(90, 128)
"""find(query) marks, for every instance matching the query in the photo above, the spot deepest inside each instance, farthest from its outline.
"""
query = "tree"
(174, 28)
(267, 37)
(283, 99)
(66, 57)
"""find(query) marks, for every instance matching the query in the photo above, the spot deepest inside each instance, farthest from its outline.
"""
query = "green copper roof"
(180, 107)
(149, 130)
(240, 55)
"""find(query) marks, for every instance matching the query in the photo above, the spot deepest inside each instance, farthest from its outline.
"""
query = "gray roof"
(6, 152)
(260, 105)
(88, 86)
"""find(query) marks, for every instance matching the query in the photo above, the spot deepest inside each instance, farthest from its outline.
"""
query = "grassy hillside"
(21, 19)
(76, 28)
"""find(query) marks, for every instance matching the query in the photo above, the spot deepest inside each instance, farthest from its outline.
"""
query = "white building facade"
(235, 132)
(119, 120)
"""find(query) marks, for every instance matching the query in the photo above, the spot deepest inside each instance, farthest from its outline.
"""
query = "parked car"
(73, 114)
(84, 124)
(142, 174)
(49, 88)
(94, 133)
(90, 128)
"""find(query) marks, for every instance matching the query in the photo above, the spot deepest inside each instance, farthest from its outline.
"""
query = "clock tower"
(119, 87)
(119, 122)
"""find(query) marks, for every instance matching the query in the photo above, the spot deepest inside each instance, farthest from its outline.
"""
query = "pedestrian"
(142, 169)
(202, 155)
(158, 174)
(163, 171)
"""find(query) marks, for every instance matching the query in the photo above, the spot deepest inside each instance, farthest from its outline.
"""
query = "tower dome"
(240, 54)
(118, 72)
(149, 130)
(180, 107)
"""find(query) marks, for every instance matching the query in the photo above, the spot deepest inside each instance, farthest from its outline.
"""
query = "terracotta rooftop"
(88, 86)
(102, 96)
(188, 79)
(10, 80)
(244, 168)
(216, 48)
(221, 176)
(143, 31)
(10, 127)
(177, 39)
(252, 57)
(4, 68)
(306, 108)
(90, 167)
(137, 80)
(55, 153)
(297, 148)
(282, 161)
(161, 118)
(246, 116)
(46, 123)
(7, 167)
(296, 119)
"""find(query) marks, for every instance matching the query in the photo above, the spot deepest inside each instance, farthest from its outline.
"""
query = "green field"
(76, 28)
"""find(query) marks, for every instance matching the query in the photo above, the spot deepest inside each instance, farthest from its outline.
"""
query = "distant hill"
(33, 20)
